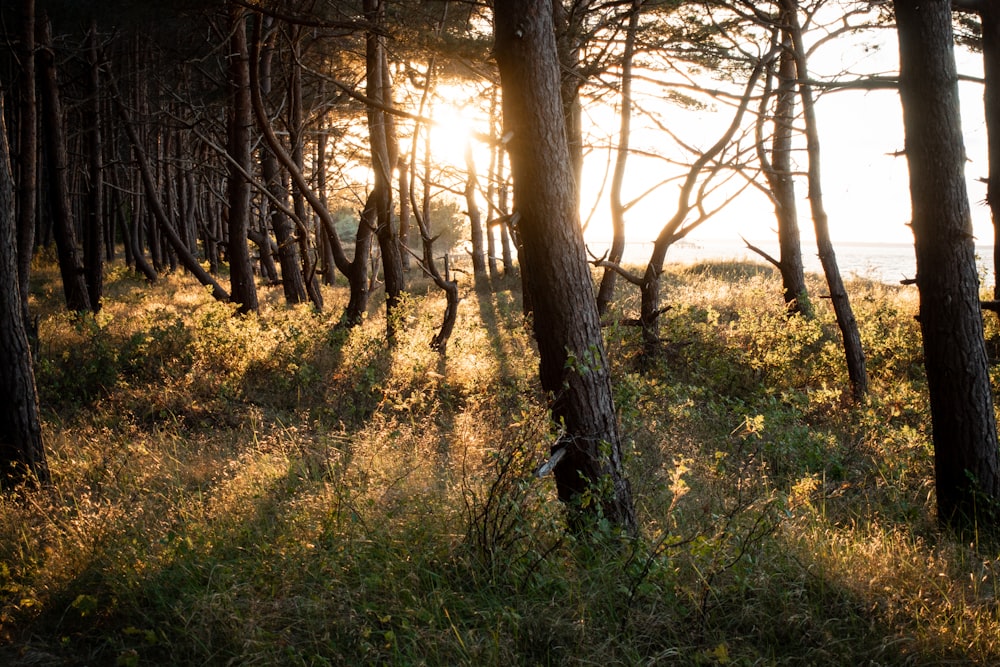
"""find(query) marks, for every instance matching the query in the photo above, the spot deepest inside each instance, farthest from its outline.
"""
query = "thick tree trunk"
(966, 462)
(22, 457)
(70, 264)
(573, 364)
(853, 351)
(244, 289)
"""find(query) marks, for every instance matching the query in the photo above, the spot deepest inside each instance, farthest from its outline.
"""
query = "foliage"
(273, 489)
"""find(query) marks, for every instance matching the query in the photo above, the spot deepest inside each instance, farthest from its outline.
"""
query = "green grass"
(272, 490)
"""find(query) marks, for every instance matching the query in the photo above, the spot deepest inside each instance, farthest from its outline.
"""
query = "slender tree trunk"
(291, 270)
(780, 180)
(93, 247)
(990, 16)
(70, 264)
(853, 352)
(573, 364)
(606, 292)
(381, 130)
(28, 145)
(244, 289)
(475, 219)
(966, 458)
(405, 213)
(296, 131)
(22, 456)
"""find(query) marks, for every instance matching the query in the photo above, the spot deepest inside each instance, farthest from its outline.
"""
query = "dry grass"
(271, 490)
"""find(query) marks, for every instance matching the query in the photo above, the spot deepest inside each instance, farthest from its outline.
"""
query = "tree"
(70, 265)
(966, 460)
(244, 289)
(573, 365)
(22, 457)
(853, 352)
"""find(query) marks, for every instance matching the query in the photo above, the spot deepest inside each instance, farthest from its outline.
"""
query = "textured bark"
(781, 182)
(244, 289)
(573, 365)
(93, 245)
(606, 292)
(966, 466)
(28, 145)
(64, 231)
(22, 457)
(853, 351)
(288, 255)
(475, 219)
(990, 15)
(382, 137)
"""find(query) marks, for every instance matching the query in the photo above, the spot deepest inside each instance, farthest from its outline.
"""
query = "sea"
(884, 262)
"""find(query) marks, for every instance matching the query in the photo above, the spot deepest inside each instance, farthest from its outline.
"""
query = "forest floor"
(274, 490)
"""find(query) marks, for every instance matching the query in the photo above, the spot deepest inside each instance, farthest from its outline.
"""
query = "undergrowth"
(275, 490)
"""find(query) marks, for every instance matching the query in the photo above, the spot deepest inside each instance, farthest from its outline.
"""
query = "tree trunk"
(28, 146)
(475, 219)
(606, 292)
(990, 16)
(244, 289)
(573, 364)
(70, 265)
(966, 465)
(381, 129)
(778, 172)
(853, 352)
(288, 256)
(22, 457)
(93, 247)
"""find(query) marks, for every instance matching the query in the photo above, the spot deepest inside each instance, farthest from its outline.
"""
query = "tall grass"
(273, 490)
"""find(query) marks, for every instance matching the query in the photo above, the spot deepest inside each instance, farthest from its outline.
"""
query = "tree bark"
(28, 146)
(288, 256)
(573, 365)
(93, 246)
(966, 465)
(22, 456)
(382, 137)
(475, 219)
(606, 292)
(853, 351)
(244, 289)
(778, 172)
(68, 249)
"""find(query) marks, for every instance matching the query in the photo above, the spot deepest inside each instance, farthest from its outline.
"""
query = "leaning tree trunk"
(244, 289)
(22, 457)
(853, 352)
(966, 461)
(70, 264)
(573, 364)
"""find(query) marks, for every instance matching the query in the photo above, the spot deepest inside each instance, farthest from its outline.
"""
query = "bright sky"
(866, 191)
(864, 182)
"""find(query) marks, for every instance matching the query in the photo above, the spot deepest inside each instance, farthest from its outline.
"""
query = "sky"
(865, 182)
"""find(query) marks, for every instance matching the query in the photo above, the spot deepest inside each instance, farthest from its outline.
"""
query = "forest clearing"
(272, 489)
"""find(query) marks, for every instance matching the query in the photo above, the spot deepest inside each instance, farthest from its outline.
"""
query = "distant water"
(887, 262)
